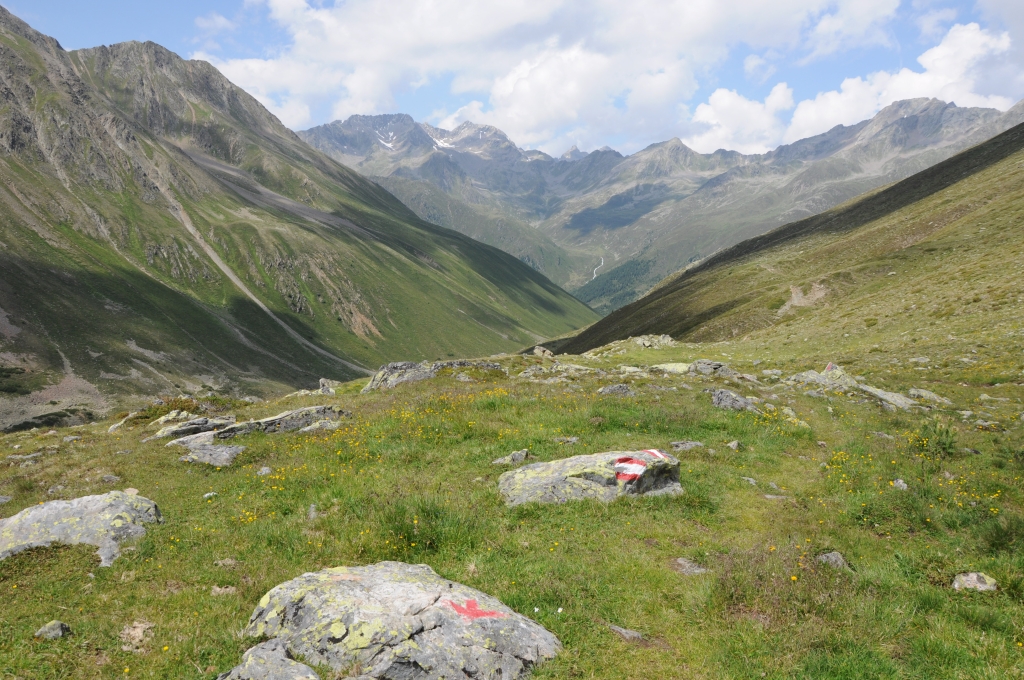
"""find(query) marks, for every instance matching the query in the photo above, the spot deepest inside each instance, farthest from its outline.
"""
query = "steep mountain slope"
(161, 230)
(937, 253)
(647, 214)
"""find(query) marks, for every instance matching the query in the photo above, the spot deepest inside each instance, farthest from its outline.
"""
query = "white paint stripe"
(630, 468)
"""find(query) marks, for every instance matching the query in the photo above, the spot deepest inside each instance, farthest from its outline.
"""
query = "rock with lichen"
(392, 620)
(601, 476)
(104, 521)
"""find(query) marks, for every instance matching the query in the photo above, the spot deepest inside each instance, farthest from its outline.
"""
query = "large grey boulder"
(396, 621)
(602, 476)
(728, 399)
(918, 393)
(270, 660)
(400, 372)
(284, 422)
(103, 521)
(201, 449)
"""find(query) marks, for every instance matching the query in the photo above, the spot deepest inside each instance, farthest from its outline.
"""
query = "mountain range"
(161, 231)
(608, 227)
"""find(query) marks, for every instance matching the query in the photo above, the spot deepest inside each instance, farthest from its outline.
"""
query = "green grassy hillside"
(161, 230)
(933, 253)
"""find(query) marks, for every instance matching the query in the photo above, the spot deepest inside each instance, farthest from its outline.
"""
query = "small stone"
(131, 491)
(512, 458)
(823, 445)
(833, 559)
(227, 563)
(734, 445)
(686, 445)
(110, 479)
(542, 351)
(123, 453)
(772, 497)
(749, 480)
(625, 633)
(597, 420)
(974, 580)
(899, 484)
(207, 496)
(226, 590)
(774, 486)
(883, 435)
(687, 567)
(312, 514)
(51, 432)
(566, 440)
(917, 393)
(5, 499)
(53, 630)
(264, 471)
(72, 438)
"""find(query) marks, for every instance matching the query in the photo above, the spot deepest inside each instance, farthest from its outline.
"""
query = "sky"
(747, 75)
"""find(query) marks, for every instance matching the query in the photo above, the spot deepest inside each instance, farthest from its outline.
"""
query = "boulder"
(269, 661)
(328, 386)
(103, 521)
(833, 378)
(284, 422)
(601, 476)
(409, 371)
(53, 630)
(193, 426)
(974, 580)
(542, 352)
(892, 399)
(393, 620)
(728, 399)
(918, 393)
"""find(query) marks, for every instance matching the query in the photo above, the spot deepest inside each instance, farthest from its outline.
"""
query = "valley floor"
(409, 477)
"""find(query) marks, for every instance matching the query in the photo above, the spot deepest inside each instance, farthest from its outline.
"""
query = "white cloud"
(732, 121)
(214, 23)
(552, 73)
(542, 70)
(950, 73)
(852, 23)
(933, 23)
(757, 68)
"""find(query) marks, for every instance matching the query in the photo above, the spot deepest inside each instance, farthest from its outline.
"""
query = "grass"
(409, 478)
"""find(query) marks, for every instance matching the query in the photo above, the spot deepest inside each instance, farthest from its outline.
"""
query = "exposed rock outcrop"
(602, 476)
(103, 521)
(392, 620)
(284, 422)
(400, 372)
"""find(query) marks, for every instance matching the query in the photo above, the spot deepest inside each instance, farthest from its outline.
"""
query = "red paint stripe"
(626, 476)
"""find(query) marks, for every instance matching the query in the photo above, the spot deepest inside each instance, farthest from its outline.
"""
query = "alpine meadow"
(317, 405)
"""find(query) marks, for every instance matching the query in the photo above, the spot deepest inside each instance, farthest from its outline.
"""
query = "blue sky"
(739, 74)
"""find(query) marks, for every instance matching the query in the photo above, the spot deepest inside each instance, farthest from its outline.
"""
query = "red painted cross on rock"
(471, 611)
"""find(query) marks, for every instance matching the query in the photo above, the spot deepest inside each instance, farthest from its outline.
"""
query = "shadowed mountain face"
(651, 212)
(161, 231)
(942, 243)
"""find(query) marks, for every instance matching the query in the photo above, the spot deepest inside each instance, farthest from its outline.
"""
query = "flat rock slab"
(394, 620)
(601, 476)
(103, 521)
(400, 372)
(201, 449)
(687, 567)
(284, 422)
